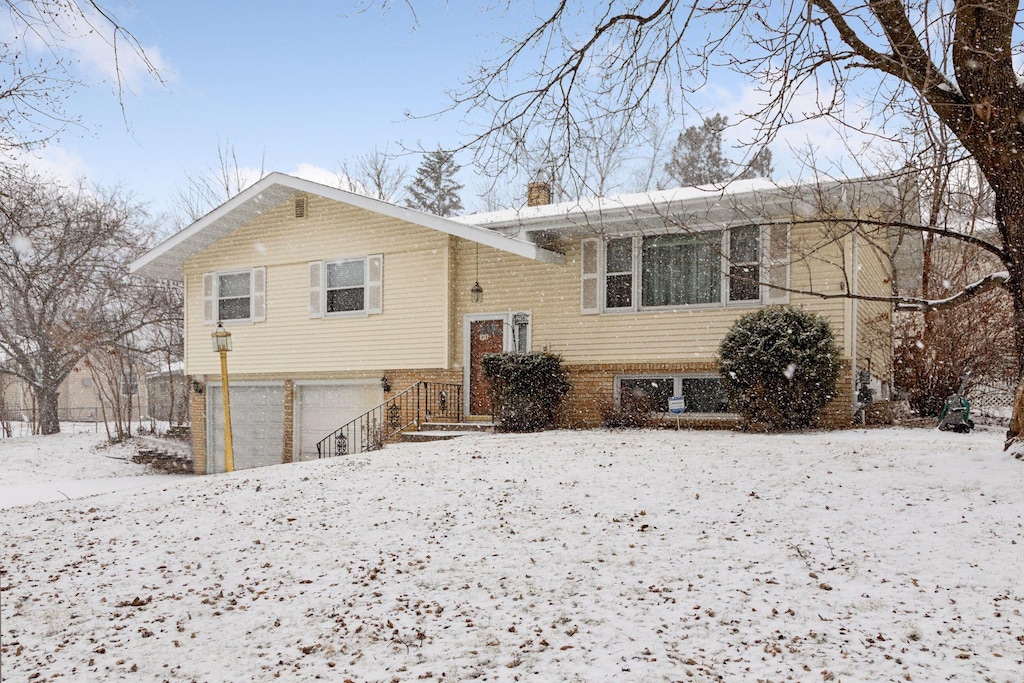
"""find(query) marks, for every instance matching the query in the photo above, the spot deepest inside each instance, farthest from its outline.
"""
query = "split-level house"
(338, 303)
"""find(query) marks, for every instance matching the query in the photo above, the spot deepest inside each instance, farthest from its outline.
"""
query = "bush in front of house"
(779, 367)
(526, 388)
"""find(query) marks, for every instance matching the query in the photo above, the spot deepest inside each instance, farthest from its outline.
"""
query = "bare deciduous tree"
(204, 191)
(38, 59)
(375, 174)
(956, 59)
(64, 288)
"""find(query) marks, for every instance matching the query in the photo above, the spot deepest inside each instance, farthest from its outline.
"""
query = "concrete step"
(475, 426)
(435, 435)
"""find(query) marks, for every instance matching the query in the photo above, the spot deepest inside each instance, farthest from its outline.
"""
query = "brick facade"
(197, 404)
(593, 394)
(591, 397)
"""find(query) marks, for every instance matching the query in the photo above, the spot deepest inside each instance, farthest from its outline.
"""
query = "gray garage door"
(322, 408)
(257, 425)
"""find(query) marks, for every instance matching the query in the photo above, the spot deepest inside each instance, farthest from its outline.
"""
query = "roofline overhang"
(166, 260)
(736, 203)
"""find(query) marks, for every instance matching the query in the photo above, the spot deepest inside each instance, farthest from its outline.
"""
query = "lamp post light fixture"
(222, 344)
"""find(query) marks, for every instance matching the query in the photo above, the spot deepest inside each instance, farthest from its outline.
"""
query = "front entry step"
(437, 431)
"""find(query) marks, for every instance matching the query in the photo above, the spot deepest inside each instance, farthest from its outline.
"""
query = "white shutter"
(316, 289)
(259, 294)
(590, 276)
(209, 298)
(776, 263)
(374, 283)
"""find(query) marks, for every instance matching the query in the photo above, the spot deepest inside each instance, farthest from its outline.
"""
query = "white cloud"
(56, 162)
(89, 41)
(809, 146)
(316, 174)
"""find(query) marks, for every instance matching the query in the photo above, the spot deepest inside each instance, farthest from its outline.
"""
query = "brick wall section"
(593, 388)
(287, 449)
(839, 411)
(197, 404)
(403, 379)
(593, 393)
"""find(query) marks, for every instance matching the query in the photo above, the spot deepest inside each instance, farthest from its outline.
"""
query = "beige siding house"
(338, 303)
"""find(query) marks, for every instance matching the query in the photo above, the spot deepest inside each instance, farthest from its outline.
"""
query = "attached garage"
(257, 425)
(321, 408)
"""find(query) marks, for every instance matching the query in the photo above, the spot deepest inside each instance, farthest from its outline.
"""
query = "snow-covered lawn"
(72, 464)
(866, 555)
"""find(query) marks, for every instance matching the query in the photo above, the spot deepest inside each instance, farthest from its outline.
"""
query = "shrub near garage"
(526, 388)
(779, 367)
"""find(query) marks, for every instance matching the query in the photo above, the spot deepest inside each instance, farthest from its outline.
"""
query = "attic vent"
(300, 207)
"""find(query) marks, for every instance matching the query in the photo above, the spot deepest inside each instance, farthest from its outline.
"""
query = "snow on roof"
(545, 215)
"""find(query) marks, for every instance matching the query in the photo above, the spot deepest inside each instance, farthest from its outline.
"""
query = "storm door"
(485, 336)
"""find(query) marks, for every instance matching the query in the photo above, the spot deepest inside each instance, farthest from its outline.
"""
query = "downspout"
(854, 289)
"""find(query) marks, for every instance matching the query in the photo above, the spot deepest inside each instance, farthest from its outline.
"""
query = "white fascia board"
(165, 260)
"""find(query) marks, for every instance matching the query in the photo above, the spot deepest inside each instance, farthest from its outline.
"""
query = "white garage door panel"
(322, 408)
(257, 426)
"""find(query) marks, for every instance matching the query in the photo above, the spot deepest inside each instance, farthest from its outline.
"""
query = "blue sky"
(298, 88)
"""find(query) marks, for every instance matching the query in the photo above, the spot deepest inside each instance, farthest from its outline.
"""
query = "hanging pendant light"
(476, 292)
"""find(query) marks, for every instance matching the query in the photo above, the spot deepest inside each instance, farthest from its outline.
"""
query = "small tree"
(779, 367)
(526, 388)
(434, 189)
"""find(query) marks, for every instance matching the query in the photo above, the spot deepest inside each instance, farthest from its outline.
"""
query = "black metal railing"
(419, 403)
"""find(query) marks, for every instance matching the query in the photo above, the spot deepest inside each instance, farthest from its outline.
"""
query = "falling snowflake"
(790, 371)
(23, 245)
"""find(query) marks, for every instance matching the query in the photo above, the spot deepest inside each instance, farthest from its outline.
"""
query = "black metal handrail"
(370, 431)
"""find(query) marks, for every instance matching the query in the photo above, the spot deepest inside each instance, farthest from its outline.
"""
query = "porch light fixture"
(476, 292)
(221, 345)
(385, 384)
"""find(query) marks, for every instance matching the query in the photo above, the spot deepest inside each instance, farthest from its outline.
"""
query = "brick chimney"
(538, 193)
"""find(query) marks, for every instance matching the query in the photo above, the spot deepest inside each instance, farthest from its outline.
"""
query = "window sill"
(682, 308)
(346, 314)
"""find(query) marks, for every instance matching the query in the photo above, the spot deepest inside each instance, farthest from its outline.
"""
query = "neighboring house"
(336, 301)
(80, 395)
(168, 393)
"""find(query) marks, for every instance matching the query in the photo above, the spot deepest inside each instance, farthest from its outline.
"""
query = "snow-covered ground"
(72, 464)
(865, 555)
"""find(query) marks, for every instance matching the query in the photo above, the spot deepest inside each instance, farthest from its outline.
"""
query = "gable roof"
(164, 262)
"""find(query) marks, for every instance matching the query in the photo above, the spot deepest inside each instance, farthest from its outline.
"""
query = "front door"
(485, 336)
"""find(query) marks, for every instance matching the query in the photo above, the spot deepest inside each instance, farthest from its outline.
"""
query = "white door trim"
(508, 342)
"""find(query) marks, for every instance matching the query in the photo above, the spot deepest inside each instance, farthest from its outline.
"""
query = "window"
(238, 295)
(703, 393)
(618, 288)
(681, 269)
(650, 394)
(345, 285)
(233, 296)
(744, 263)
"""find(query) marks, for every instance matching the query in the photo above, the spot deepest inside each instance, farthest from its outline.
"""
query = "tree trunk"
(46, 402)
(1012, 230)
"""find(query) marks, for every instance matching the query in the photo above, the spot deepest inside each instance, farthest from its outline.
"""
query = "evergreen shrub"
(526, 389)
(779, 367)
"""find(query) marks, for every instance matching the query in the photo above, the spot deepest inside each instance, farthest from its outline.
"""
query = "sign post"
(677, 406)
